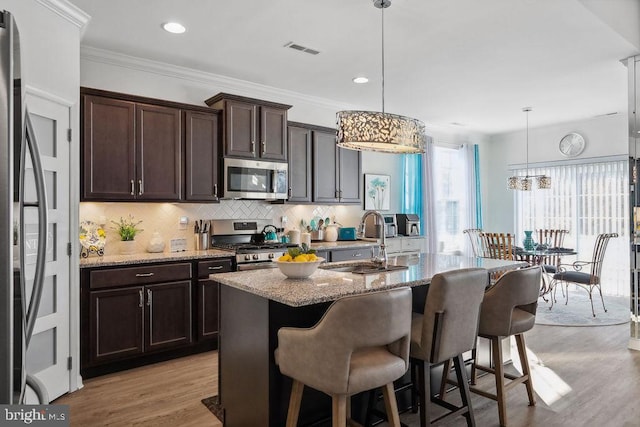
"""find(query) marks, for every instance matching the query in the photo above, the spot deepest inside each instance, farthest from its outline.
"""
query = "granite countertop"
(327, 285)
(146, 258)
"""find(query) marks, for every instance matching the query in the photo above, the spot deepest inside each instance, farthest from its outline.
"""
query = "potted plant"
(127, 229)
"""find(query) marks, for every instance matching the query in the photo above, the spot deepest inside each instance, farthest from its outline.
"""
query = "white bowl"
(298, 270)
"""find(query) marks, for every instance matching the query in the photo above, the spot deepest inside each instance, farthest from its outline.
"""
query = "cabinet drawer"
(394, 244)
(139, 275)
(350, 254)
(205, 268)
(412, 245)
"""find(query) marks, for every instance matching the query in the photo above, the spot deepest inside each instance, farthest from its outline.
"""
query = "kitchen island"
(254, 305)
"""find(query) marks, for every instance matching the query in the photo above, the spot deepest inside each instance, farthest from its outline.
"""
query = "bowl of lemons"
(299, 263)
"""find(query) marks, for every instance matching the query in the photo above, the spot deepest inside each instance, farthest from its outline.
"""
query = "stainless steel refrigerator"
(20, 171)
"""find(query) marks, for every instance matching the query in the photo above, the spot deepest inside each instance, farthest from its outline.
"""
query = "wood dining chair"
(498, 246)
(553, 238)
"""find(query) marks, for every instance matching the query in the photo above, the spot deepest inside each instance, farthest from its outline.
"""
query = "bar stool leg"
(446, 367)
(294, 403)
(526, 371)
(424, 380)
(339, 410)
(499, 374)
(391, 405)
(463, 385)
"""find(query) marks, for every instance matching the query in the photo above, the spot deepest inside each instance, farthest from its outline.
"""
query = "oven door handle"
(256, 266)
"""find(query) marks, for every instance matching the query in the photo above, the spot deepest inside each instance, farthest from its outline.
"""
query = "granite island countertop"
(327, 285)
(146, 258)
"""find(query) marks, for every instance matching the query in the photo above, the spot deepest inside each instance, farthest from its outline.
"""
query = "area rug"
(213, 404)
(578, 311)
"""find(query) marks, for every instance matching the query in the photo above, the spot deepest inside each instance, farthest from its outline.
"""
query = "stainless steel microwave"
(255, 179)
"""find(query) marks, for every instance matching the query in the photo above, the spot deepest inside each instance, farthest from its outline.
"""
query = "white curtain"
(429, 202)
(587, 199)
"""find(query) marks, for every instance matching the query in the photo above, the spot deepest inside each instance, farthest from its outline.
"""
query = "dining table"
(537, 256)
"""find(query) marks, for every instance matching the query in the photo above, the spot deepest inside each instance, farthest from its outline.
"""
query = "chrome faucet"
(381, 258)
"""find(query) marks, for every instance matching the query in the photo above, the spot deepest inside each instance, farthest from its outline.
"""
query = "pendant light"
(378, 130)
(523, 183)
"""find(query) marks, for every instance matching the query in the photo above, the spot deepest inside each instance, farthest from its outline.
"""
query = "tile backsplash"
(164, 217)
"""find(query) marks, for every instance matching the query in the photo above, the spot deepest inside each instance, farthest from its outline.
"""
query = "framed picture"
(376, 192)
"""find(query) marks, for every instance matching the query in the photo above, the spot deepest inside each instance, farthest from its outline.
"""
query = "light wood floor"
(583, 376)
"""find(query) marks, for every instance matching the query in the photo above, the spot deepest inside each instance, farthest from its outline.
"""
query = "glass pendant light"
(523, 183)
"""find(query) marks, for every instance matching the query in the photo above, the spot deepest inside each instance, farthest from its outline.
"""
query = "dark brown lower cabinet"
(140, 319)
(116, 327)
(168, 315)
(208, 302)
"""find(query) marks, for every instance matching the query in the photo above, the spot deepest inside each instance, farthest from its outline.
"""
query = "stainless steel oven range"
(246, 238)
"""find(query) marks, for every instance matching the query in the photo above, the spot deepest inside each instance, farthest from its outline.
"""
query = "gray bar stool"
(508, 308)
(448, 328)
(361, 343)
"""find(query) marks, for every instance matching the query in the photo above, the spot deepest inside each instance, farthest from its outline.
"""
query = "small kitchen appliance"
(408, 224)
(347, 233)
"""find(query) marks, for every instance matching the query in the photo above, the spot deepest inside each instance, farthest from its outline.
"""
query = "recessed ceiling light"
(174, 27)
(360, 80)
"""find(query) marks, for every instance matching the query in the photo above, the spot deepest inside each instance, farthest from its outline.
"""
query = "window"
(451, 197)
(587, 199)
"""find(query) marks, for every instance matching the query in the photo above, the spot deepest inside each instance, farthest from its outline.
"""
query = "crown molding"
(68, 11)
(223, 83)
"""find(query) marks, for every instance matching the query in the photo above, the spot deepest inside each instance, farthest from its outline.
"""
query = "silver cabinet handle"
(141, 300)
(41, 252)
(215, 190)
(133, 188)
(149, 297)
(216, 268)
(140, 188)
(253, 148)
(264, 148)
(357, 255)
(144, 274)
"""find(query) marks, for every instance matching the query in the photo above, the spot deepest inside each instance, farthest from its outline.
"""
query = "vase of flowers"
(127, 229)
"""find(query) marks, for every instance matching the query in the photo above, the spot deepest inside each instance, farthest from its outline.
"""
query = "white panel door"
(48, 352)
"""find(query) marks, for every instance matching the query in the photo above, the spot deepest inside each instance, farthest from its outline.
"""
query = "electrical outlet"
(183, 222)
(284, 220)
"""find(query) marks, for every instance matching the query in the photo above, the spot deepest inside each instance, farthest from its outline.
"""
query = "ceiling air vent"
(295, 46)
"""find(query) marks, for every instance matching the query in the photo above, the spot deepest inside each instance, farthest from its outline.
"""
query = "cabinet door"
(202, 156)
(325, 167)
(108, 149)
(273, 133)
(207, 309)
(350, 176)
(168, 315)
(158, 153)
(116, 324)
(240, 129)
(299, 142)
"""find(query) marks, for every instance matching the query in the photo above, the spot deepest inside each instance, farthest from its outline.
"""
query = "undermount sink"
(362, 268)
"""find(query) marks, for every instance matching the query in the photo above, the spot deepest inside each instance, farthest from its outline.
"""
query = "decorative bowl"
(298, 270)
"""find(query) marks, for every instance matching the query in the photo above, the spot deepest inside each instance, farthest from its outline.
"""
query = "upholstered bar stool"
(361, 343)
(508, 308)
(447, 329)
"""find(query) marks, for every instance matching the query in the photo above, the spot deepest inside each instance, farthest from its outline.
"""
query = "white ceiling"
(471, 62)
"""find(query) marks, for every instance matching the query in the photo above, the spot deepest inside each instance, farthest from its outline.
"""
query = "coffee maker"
(408, 224)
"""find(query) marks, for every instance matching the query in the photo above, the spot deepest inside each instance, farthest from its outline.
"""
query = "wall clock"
(572, 144)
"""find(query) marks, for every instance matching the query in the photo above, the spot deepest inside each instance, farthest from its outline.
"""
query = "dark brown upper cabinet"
(136, 148)
(337, 176)
(300, 155)
(253, 128)
(202, 156)
(131, 151)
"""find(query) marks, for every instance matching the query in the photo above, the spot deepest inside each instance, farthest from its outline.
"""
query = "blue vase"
(528, 240)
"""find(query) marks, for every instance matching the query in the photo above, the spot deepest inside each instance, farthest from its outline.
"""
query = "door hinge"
(69, 363)
(69, 248)
(69, 134)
